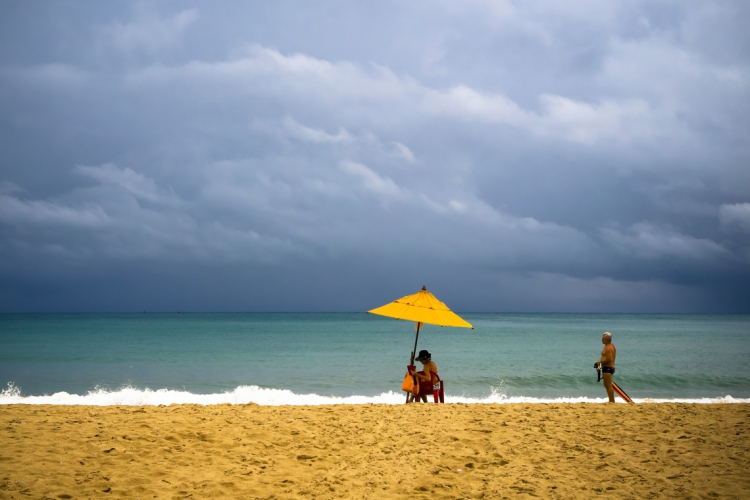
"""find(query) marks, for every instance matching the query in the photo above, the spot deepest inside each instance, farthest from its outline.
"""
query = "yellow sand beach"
(376, 451)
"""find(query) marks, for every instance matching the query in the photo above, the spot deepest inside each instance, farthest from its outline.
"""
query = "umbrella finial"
(424, 288)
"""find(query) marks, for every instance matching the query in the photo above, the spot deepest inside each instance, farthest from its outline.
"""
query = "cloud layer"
(511, 156)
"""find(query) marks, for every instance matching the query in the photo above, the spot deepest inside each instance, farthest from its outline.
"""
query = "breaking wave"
(245, 394)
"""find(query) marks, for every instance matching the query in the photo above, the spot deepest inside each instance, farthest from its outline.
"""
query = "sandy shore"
(375, 451)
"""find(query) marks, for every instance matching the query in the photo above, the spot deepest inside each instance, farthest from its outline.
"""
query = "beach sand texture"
(376, 451)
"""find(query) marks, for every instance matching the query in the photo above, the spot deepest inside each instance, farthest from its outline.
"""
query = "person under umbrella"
(428, 376)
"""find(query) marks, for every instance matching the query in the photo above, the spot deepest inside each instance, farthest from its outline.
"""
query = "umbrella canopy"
(422, 307)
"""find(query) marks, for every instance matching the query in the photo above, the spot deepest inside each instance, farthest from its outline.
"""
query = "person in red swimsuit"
(427, 376)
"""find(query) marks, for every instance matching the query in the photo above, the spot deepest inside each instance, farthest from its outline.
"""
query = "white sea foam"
(129, 396)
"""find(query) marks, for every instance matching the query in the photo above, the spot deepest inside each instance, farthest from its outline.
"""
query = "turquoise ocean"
(332, 358)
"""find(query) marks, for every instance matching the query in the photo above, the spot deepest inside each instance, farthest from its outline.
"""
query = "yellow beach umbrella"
(422, 307)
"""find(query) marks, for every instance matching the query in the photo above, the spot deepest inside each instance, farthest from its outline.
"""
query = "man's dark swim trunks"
(608, 369)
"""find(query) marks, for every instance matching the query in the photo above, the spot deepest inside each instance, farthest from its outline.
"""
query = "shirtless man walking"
(607, 363)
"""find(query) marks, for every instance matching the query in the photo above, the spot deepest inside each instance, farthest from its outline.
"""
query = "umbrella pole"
(419, 327)
(411, 362)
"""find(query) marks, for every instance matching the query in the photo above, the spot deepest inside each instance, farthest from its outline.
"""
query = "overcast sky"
(582, 155)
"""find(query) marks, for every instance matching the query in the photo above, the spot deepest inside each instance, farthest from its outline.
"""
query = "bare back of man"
(607, 364)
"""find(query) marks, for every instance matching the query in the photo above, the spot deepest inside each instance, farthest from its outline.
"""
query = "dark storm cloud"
(513, 156)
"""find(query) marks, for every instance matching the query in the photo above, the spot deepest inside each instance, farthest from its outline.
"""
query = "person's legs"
(607, 379)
